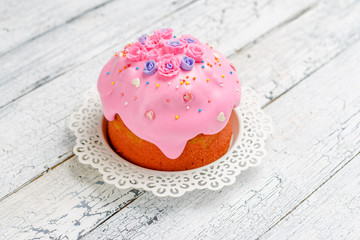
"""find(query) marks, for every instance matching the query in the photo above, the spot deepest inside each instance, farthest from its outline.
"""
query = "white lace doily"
(250, 129)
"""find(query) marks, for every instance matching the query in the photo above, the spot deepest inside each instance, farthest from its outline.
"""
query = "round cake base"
(199, 151)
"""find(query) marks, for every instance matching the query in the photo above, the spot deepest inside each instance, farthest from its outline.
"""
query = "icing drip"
(168, 90)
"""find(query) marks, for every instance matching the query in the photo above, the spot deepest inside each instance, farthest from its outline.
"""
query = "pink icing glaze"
(149, 105)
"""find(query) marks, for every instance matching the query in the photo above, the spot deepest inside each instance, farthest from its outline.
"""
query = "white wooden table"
(303, 57)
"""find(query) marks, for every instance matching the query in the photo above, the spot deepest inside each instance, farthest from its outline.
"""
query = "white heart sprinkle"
(150, 115)
(188, 96)
(136, 82)
(221, 117)
(216, 55)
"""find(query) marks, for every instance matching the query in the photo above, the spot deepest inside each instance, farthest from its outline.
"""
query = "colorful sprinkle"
(194, 78)
(181, 82)
(168, 100)
(187, 76)
(126, 103)
(221, 84)
(188, 96)
(112, 83)
(187, 83)
(137, 68)
(120, 70)
(177, 86)
(136, 82)
(150, 114)
(122, 94)
(203, 66)
(147, 83)
(222, 76)
(157, 85)
(216, 55)
(219, 65)
(187, 107)
(169, 83)
(200, 110)
(207, 80)
(202, 61)
(230, 72)
(221, 117)
(176, 117)
(209, 100)
(107, 73)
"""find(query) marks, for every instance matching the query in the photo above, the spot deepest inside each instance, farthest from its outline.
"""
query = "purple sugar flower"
(174, 43)
(150, 67)
(142, 38)
(187, 63)
(189, 40)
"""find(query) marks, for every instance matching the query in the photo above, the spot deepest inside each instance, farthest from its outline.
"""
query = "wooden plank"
(21, 21)
(40, 130)
(65, 204)
(41, 116)
(310, 43)
(332, 212)
(317, 133)
(73, 44)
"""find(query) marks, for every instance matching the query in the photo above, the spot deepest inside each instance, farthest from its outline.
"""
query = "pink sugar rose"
(169, 65)
(136, 52)
(174, 46)
(195, 51)
(166, 33)
(188, 39)
(152, 41)
(154, 54)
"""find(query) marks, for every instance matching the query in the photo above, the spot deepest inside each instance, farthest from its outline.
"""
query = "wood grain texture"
(225, 22)
(332, 212)
(50, 55)
(41, 116)
(40, 130)
(321, 35)
(316, 134)
(23, 20)
(65, 204)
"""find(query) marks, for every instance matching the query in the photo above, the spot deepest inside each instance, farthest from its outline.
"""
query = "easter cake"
(168, 101)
